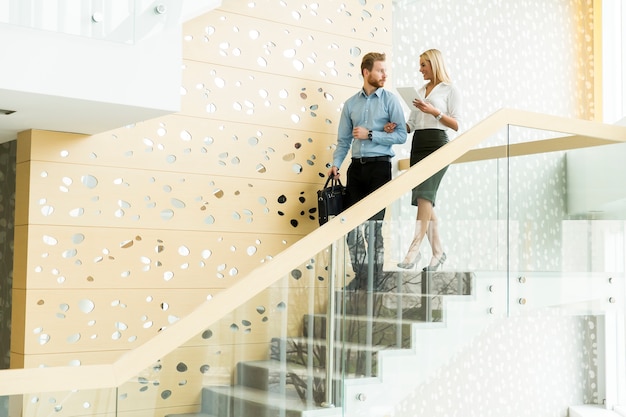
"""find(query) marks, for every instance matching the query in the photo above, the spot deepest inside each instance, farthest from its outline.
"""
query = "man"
(361, 130)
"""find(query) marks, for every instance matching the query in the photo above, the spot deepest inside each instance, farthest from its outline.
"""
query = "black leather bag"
(330, 200)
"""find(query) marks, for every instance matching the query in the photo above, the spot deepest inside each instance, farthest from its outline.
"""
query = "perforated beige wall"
(120, 234)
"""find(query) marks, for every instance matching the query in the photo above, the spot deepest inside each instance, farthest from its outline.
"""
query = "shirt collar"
(378, 92)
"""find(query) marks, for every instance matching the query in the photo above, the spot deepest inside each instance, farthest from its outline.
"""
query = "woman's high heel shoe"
(407, 264)
(435, 266)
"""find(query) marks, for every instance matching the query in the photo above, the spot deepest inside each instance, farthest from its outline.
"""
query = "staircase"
(292, 381)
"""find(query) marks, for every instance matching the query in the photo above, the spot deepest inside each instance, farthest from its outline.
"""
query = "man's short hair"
(369, 59)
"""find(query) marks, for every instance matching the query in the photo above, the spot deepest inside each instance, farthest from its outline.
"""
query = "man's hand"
(334, 172)
(360, 132)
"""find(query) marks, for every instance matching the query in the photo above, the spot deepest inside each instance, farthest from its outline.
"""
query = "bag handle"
(335, 182)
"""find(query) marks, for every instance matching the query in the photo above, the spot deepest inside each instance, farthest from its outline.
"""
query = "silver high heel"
(406, 264)
(434, 267)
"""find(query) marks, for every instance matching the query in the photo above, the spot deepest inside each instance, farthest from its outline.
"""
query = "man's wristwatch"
(369, 135)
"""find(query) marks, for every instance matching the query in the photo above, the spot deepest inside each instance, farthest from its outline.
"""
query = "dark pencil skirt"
(425, 142)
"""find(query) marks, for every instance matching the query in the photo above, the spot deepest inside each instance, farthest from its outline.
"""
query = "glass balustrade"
(533, 278)
(566, 226)
(61, 403)
(314, 342)
(124, 21)
(266, 357)
(566, 253)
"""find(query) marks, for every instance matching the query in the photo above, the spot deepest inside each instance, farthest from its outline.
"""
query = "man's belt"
(366, 159)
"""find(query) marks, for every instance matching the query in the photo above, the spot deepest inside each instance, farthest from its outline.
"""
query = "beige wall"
(121, 233)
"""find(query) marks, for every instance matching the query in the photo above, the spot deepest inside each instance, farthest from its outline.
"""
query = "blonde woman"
(437, 109)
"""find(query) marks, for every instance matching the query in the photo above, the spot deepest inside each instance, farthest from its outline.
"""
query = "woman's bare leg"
(424, 213)
(434, 239)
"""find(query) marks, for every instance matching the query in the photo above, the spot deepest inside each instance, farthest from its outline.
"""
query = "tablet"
(408, 94)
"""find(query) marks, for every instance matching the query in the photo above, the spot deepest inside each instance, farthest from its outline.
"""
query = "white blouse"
(444, 97)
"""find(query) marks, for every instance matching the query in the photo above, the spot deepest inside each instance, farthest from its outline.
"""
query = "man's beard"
(375, 83)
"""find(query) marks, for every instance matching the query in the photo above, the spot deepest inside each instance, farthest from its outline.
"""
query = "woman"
(438, 108)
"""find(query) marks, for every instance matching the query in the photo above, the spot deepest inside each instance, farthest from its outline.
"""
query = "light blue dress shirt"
(371, 112)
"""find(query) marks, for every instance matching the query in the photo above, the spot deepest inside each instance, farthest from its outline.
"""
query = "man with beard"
(361, 130)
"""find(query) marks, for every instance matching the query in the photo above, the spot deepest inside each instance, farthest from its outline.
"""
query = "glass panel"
(265, 357)
(326, 336)
(417, 313)
(566, 226)
(4, 405)
(62, 403)
(506, 300)
(567, 256)
(108, 20)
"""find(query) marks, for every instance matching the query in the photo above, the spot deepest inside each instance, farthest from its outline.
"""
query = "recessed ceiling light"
(5, 112)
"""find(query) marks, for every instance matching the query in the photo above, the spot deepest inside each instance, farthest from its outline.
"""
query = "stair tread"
(288, 399)
(399, 294)
(344, 345)
(358, 317)
(275, 365)
(297, 368)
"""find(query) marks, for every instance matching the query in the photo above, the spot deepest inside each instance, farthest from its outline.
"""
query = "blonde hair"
(440, 73)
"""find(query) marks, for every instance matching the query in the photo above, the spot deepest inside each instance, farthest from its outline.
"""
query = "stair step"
(406, 291)
(274, 376)
(421, 282)
(591, 410)
(271, 374)
(238, 400)
(356, 359)
(355, 329)
(321, 344)
(381, 304)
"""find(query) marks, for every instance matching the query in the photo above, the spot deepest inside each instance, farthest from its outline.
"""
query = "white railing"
(126, 21)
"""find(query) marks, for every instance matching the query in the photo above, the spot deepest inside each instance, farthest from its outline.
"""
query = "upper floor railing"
(118, 21)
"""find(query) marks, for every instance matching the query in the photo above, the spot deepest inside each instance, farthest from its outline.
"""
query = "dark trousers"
(365, 242)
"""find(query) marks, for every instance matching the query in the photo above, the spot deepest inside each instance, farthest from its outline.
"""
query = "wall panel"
(264, 99)
(362, 20)
(94, 258)
(166, 212)
(180, 143)
(136, 198)
(285, 48)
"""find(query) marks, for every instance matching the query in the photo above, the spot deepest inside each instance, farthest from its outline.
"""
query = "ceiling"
(64, 114)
